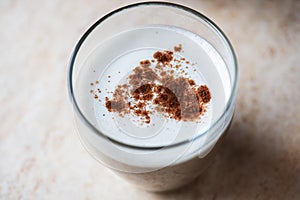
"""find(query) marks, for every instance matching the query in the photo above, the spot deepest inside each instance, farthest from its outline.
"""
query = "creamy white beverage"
(114, 64)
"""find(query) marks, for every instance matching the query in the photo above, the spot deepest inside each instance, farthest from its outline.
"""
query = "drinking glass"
(153, 167)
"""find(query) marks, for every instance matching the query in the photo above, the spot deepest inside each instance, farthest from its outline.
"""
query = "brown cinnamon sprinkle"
(145, 63)
(204, 94)
(163, 57)
(178, 48)
(156, 89)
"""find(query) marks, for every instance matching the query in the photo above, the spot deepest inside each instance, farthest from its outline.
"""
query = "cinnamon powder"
(157, 90)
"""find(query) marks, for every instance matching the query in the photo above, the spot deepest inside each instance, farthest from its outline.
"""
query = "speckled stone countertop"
(41, 156)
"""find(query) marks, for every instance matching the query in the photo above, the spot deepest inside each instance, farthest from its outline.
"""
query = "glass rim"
(208, 22)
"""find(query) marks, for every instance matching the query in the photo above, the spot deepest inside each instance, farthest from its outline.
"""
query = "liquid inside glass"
(111, 63)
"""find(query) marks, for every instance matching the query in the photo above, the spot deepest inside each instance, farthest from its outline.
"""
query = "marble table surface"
(41, 156)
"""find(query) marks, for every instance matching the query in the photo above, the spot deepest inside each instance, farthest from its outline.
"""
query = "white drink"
(114, 60)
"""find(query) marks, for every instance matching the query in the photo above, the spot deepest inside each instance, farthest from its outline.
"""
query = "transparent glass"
(153, 168)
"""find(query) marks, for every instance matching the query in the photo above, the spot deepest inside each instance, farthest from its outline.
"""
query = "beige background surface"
(41, 156)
